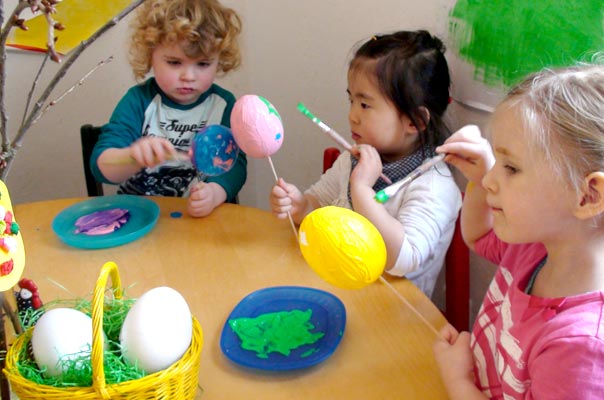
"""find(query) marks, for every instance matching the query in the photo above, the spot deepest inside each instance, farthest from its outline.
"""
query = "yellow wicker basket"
(177, 382)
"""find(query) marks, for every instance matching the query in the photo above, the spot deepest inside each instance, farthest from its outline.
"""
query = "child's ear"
(422, 116)
(591, 202)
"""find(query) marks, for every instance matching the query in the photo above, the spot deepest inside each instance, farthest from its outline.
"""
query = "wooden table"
(214, 262)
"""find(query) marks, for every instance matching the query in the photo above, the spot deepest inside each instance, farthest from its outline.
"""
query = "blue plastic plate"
(328, 317)
(143, 217)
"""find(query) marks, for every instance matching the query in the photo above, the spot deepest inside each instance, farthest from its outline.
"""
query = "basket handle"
(98, 338)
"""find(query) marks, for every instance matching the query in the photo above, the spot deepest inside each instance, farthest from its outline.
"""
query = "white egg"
(157, 330)
(60, 335)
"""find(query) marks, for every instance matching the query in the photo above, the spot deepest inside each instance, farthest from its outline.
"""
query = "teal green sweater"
(146, 111)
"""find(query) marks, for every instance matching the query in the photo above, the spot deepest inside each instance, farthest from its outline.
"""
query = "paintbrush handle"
(179, 156)
(332, 133)
(385, 194)
(335, 136)
(342, 142)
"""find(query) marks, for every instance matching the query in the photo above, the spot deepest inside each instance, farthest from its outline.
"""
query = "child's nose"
(187, 74)
(488, 182)
(352, 116)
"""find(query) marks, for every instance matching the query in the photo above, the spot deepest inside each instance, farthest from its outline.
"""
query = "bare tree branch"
(71, 89)
(30, 117)
(34, 84)
(65, 67)
(22, 5)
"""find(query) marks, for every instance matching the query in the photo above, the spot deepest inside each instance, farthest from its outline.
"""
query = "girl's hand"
(454, 358)
(204, 198)
(151, 151)
(469, 152)
(286, 198)
(369, 167)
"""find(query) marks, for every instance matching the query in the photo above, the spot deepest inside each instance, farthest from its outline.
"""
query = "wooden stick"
(401, 298)
(291, 220)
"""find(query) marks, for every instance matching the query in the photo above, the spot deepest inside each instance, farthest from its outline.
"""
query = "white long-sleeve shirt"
(427, 208)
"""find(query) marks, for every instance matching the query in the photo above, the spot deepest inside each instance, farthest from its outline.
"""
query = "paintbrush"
(385, 194)
(332, 133)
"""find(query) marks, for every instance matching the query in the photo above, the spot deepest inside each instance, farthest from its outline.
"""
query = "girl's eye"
(364, 105)
(510, 169)
(173, 62)
(203, 64)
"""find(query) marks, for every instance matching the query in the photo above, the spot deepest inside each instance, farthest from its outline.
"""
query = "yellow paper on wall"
(81, 19)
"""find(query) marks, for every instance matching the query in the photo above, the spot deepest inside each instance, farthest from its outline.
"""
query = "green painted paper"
(507, 40)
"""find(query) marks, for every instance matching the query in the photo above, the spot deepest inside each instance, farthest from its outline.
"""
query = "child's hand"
(469, 152)
(285, 198)
(454, 357)
(369, 167)
(204, 198)
(152, 151)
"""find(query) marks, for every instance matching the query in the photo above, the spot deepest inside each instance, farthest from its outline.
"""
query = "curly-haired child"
(186, 44)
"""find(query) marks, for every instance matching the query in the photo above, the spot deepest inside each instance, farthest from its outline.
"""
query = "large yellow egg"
(343, 247)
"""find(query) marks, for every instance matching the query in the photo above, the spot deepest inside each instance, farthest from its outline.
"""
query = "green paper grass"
(78, 370)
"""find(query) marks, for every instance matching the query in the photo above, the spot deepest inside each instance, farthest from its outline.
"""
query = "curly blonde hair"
(203, 28)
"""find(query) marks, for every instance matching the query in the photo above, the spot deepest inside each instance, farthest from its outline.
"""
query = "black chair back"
(89, 135)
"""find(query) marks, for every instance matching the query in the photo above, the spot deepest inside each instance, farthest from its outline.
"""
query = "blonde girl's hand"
(454, 357)
(286, 198)
(469, 152)
(368, 169)
(151, 151)
(204, 198)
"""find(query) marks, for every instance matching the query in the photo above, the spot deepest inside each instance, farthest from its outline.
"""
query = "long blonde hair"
(204, 27)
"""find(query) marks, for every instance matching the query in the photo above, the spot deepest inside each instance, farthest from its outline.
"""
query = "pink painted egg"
(256, 126)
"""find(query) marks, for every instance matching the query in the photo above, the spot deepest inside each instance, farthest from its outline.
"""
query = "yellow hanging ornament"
(12, 252)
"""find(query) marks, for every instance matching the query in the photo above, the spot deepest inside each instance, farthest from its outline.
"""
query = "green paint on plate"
(280, 332)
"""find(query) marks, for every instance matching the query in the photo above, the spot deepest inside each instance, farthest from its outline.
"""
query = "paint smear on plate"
(507, 40)
(280, 332)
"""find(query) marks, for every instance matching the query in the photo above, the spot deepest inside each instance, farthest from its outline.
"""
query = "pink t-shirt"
(528, 347)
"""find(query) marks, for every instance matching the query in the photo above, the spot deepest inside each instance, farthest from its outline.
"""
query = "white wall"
(292, 51)
(298, 52)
